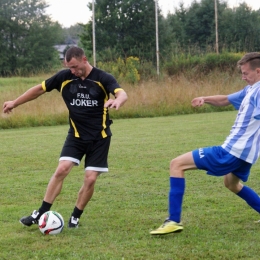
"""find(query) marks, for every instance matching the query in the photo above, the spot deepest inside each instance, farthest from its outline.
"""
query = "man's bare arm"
(29, 95)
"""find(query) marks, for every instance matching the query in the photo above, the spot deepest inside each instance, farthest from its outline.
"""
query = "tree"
(193, 29)
(127, 26)
(174, 34)
(27, 37)
(240, 29)
(200, 23)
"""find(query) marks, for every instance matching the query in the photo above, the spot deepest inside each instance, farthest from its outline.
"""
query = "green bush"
(123, 71)
(204, 64)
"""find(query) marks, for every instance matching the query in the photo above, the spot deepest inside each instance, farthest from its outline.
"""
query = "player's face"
(251, 76)
(77, 67)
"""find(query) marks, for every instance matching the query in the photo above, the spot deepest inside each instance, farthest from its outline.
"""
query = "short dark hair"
(253, 58)
(74, 52)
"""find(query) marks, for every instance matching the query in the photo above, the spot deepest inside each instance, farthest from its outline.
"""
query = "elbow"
(126, 97)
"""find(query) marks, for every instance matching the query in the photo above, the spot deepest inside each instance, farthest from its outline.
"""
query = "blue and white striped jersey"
(244, 139)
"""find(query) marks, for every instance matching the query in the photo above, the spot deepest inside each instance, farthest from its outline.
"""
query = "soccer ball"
(51, 223)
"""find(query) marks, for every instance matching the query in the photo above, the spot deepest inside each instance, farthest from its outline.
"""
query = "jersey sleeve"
(110, 83)
(56, 81)
(236, 98)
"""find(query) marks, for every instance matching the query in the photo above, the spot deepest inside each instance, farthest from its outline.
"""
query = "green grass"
(130, 200)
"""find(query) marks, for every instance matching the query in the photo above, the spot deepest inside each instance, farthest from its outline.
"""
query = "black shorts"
(96, 152)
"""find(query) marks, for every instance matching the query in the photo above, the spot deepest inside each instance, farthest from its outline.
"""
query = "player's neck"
(87, 72)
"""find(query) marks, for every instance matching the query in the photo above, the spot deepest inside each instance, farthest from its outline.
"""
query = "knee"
(90, 180)
(174, 167)
(173, 164)
(234, 187)
(227, 184)
(62, 171)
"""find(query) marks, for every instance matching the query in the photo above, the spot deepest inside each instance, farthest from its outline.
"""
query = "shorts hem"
(97, 169)
(67, 158)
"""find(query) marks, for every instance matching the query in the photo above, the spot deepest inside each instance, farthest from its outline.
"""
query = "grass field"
(130, 200)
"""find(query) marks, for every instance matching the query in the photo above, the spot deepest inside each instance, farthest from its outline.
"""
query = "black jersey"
(85, 100)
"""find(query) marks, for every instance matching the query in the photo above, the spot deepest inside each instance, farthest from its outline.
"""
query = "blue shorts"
(218, 162)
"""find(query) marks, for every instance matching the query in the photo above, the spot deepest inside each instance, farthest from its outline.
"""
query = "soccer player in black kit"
(85, 91)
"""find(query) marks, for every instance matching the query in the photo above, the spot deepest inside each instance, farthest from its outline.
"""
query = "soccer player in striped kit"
(234, 158)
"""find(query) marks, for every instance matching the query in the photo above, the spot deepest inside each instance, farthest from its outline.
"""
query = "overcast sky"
(68, 12)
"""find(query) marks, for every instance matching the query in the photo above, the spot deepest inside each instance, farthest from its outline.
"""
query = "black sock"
(76, 213)
(44, 207)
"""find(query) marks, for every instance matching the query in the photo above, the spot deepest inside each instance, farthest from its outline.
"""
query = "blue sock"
(177, 188)
(251, 198)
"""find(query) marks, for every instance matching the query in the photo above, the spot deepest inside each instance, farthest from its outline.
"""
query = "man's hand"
(121, 98)
(8, 106)
(113, 103)
(197, 102)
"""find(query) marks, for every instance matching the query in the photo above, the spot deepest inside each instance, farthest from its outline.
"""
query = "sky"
(68, 12)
